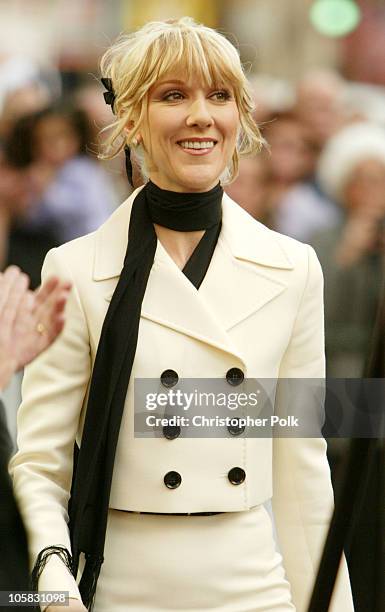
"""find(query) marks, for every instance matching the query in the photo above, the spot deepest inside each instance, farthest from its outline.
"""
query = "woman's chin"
(199, 180)
(187, 179)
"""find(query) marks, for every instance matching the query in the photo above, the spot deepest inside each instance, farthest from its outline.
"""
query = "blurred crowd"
(52, 186)
(320, 179)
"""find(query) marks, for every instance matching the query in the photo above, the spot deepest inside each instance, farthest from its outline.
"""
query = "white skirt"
(223, 562)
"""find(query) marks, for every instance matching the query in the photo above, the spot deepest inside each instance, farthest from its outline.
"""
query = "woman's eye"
(222, 95)
(173, 95)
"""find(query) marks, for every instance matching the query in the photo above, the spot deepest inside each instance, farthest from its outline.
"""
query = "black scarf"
(94, 461)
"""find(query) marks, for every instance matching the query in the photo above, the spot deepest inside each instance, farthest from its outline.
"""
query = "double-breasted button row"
(169, 378)
(173, 479)
(171, 432)
(234, 377)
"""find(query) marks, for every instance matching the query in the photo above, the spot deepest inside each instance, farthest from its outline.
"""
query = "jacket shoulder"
(78, 255)
(256, 242)
(295, 248)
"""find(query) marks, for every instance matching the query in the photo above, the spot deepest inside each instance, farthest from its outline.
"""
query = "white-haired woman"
(179, 283)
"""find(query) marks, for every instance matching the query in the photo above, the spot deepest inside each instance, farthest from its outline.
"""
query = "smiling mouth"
(197, 146)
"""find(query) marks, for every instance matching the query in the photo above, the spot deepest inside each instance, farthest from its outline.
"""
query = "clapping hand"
(29, 320)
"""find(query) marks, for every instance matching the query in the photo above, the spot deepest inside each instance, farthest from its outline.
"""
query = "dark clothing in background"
(351, 300)
(365, 551)
(14, 563)
(353, 339)
(27, 249)
(367, 542)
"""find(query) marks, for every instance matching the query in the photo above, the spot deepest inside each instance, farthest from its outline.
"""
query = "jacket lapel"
(245, 271)
(173, 301)
(233, 288)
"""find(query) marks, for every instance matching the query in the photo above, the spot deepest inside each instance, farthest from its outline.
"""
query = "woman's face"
(190, 134)
(250, 188)
(291, 157)
(365, 189)
(55, 140)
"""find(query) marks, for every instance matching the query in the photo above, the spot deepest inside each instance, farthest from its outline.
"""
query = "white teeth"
(187, 144)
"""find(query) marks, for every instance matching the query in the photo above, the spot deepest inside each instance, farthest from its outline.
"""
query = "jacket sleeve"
(302, 491)
(53, 391)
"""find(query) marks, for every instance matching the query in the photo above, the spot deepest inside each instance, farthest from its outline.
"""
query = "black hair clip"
(109, 98)
(109, 95)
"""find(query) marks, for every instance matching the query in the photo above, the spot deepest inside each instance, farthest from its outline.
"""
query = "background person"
(29, 323)
(352, 172)
(69, 194)
(321, 105)
(297, 205)
(251, 187)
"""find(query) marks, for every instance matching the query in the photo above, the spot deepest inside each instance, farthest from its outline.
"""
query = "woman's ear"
(138, 138)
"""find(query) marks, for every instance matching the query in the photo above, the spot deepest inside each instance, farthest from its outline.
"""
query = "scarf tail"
(89, 579)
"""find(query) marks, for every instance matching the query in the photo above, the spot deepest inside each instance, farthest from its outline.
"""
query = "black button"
(171, 431)
(235, 376)
(172, 480)
(169, 378)
(236, 475)
(235, 429)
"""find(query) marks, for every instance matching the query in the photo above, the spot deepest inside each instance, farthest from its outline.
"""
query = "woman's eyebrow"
(171, 82)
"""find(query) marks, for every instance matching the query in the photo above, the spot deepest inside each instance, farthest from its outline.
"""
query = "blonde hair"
(135, 62)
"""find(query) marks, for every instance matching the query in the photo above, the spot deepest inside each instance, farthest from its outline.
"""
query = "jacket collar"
(247, 241)
(232, 290)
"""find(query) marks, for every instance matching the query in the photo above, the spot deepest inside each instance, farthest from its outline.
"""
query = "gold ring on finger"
(40, 328)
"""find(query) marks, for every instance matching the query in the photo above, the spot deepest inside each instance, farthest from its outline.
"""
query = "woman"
(186, 527)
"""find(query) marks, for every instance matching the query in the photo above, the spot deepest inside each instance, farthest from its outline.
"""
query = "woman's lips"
(197, 151)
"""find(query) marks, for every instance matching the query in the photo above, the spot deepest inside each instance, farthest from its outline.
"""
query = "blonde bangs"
(137, 61)
(191, 54)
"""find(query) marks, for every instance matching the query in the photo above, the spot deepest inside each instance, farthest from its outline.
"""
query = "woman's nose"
(199, 114)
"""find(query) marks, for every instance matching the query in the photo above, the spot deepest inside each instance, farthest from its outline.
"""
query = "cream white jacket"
(260, 309)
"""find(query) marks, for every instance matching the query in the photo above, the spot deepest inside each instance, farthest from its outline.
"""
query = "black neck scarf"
(94, 461)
